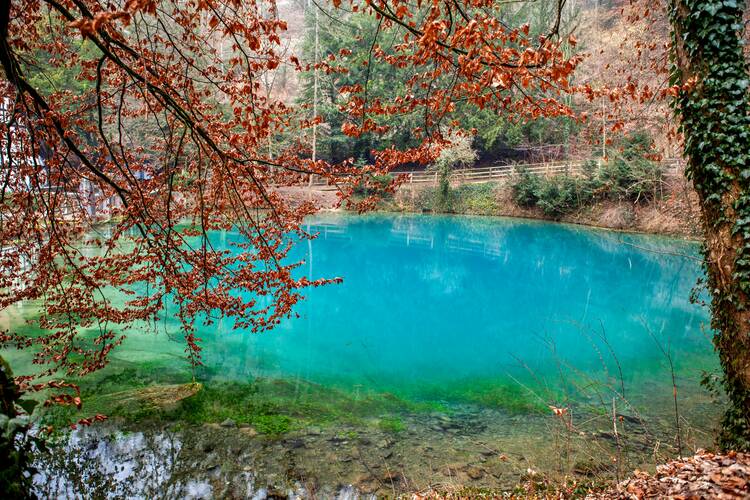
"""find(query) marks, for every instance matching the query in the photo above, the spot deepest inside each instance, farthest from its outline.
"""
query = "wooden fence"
(494, 173)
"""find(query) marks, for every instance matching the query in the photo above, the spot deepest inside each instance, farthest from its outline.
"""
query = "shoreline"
(676, 215)
(688, 238)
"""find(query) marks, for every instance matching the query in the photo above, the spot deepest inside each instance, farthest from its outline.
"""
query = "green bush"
(633, 180)
(458, 154)
(557, 195)
(444, 195)
(629, 176)
(526, 189)
(477, 199)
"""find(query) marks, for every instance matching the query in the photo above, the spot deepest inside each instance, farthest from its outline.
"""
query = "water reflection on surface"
(106, 463)
(430, 300)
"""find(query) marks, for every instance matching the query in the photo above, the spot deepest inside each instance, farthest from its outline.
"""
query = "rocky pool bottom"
(288, 438)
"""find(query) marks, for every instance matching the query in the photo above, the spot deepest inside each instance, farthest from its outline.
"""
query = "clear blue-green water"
(428, 302)
(451, 336)
(448, 309)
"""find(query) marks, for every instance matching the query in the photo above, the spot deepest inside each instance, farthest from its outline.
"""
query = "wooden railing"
(498, 172)
(494, 172)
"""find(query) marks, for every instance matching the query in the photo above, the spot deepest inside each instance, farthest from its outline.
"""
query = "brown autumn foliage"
(167, 142)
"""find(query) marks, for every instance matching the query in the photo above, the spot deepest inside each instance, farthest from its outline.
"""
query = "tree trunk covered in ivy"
(710, 67)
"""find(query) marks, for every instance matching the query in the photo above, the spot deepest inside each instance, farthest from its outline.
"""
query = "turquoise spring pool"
(450, 336)
(431, 302)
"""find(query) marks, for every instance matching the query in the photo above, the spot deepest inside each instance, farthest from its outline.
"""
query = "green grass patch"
(476, 199)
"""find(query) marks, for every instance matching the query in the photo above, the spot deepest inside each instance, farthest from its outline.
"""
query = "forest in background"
(605, 38)
(349, 49)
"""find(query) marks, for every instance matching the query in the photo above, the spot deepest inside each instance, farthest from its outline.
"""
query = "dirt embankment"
(675, 213)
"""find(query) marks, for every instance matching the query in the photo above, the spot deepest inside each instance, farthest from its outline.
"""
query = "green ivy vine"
(713, 108)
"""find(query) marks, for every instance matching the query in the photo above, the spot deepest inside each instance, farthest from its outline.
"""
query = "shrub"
(525, 189)
(557, 195)
(479, 199)
(444, 195)
(563, 194)
(630, 176)
(458, 154)
(631, 179)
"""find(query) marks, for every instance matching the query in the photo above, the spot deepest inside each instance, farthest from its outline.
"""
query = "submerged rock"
(294, 444)
(155, 397)
(475, 473)
(248, 431)
(384, 443)
(228, 423)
